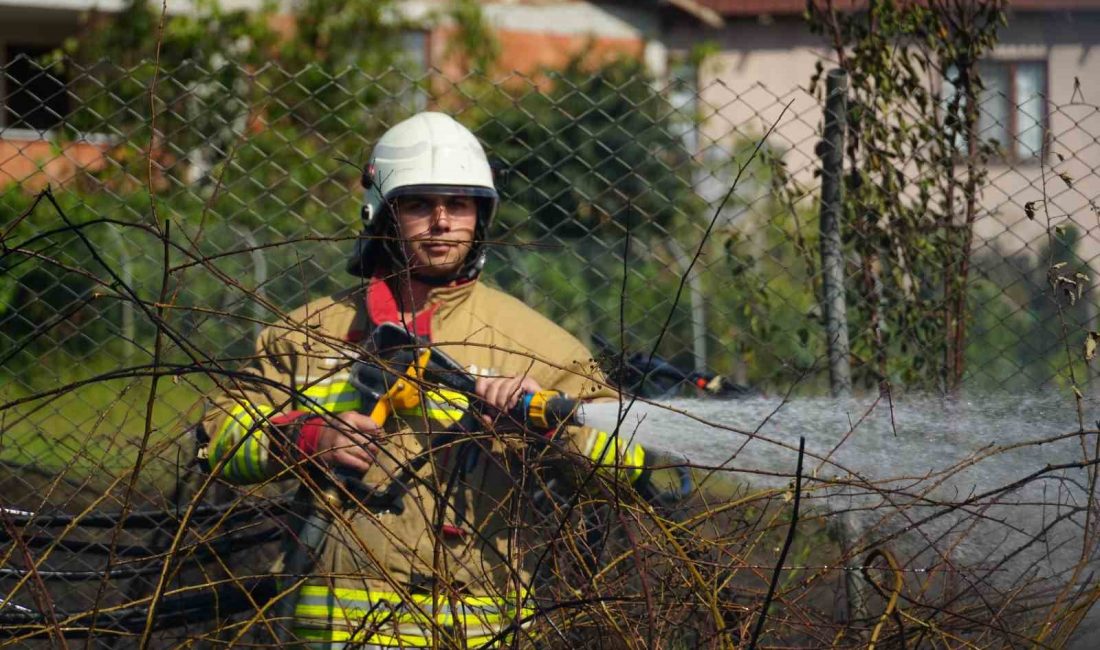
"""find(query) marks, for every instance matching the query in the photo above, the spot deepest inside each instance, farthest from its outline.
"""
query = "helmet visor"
(443, 190)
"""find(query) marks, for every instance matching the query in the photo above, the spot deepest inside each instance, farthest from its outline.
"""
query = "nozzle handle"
(546, 410)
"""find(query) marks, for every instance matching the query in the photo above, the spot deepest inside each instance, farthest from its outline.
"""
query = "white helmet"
(429, 153)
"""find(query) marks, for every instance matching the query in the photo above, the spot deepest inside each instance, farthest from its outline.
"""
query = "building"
(762, 56)
(1048, 51)
(533, 34)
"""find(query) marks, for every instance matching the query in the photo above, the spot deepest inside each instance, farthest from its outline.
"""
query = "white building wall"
(765, 64)
(1069, 43)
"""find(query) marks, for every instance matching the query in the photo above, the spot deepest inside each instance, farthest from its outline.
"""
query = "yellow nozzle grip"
(382, 411)
(404, 394)
(536, 410)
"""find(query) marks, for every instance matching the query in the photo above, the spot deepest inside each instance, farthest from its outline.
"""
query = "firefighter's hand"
(349, 441)
(502, 393)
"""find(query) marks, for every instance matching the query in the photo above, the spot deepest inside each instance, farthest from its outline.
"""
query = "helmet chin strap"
(383, 249)
(436, 280)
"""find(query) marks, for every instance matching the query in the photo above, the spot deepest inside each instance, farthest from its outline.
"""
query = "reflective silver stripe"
(443, 607)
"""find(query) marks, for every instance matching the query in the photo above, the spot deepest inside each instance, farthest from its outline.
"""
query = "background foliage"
(250, 148)
(229, 193)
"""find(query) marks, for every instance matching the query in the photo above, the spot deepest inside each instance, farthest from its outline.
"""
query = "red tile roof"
(753, 7)
(757, 7)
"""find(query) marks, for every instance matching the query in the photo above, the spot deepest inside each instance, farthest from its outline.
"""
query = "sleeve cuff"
(308, 434)
(302, 428)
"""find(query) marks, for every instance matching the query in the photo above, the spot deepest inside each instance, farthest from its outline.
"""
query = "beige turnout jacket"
(451, 568)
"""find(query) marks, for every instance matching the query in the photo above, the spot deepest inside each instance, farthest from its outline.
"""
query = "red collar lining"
(382, 308)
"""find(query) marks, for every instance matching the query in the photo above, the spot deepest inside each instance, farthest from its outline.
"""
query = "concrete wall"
(761, 67)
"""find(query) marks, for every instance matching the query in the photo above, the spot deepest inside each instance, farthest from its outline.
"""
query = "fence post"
(126, 304)
(259, 276)
(698, 304)
(831, 151)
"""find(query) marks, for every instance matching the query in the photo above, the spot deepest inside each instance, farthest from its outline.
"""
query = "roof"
(698, 10)
(758, 7)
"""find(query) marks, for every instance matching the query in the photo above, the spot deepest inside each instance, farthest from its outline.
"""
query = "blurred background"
(660, 165)
(823, 198)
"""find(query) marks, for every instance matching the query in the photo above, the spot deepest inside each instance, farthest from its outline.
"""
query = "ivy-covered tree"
(918, 165)
(596, 150)
(588, 156)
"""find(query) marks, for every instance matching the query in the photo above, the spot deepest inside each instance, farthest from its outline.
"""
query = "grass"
(96, 428)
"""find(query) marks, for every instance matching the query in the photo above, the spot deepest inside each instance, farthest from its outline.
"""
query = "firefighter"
(444, 569)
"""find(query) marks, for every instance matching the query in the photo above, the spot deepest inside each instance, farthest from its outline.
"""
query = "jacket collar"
(381, 304)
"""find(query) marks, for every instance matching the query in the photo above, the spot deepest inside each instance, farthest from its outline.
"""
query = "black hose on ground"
(174, 610)
(223, 546)
(143, 519)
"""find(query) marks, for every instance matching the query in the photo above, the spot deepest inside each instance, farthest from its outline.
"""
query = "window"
(414, 55)
(683, 96)
(414, 50)
(35, 95)
(1012, 107)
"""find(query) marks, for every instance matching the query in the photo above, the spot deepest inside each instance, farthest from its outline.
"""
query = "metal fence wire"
(602, 176)
(148, 235)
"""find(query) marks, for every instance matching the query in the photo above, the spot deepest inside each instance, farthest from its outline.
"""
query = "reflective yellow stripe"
(499, 603)
(420, 612)
(387, 616)
(444, 406)
(376, 638)
(447, 417)
(634, 460)
(333, 397)
(612, 453)
(450, 398)
(249, 462)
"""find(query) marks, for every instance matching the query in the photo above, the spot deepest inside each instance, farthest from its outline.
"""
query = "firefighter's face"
(437, 231)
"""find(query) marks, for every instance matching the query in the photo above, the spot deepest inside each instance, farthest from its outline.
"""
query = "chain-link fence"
(675, 232)
(611, 185)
